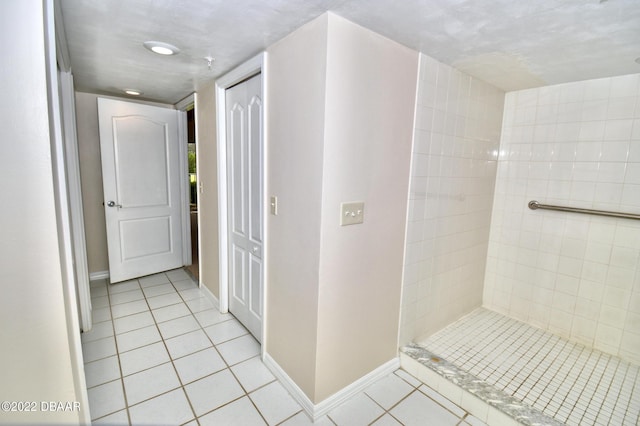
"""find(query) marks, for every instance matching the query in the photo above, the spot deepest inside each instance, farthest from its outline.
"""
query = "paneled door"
(244, 114)
(140, 174)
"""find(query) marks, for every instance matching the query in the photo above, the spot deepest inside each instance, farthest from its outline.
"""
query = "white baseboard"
(289, 385)
(315, 411)
(100, 275)
(356, 387)
(209, 295)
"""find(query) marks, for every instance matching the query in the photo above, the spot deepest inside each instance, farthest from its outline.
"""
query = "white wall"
(453, 171)
(575, 144)
(369, 110)
(209, 253)
(91, 179)
(294, 158)
(35, 356)
(340, 117)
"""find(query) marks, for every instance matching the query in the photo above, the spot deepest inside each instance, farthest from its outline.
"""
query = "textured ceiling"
(513, 44)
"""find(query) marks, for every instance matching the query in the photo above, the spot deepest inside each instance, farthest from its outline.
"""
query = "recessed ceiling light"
(161, 48)
(132, 92)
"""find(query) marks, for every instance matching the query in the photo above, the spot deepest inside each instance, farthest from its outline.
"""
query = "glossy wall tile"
(578, 276)
(454, 161)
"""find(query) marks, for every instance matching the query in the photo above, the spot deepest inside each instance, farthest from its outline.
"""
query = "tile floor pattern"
(161, 353)
(568, 381)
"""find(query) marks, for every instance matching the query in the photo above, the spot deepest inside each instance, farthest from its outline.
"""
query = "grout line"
(226, 364)
(635, 388)
(155, 323)
(558, 377)
(554, 362)
(608, 362)
(166, 347)
(285, 420)
(228, 367)
(124, 393)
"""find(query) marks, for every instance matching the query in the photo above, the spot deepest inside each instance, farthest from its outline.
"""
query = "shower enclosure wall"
(479, 157)
(575, 275)
(454, 162)
(575, 144)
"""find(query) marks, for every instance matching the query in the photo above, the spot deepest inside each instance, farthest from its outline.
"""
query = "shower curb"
(510, 406)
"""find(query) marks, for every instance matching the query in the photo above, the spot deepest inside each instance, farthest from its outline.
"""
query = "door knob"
(113, 204)
(255, 249)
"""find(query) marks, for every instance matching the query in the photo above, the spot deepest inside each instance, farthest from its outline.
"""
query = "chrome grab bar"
(534, 205)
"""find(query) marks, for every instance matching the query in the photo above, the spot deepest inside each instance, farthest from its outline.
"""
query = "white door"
(141, 181)
(244, 111)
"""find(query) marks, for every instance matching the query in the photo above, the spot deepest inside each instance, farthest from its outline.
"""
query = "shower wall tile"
(575, 144)
(454, 162)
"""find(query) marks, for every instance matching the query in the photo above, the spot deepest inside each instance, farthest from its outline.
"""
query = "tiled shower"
(479, 157)
(576, 275)
(454, 162)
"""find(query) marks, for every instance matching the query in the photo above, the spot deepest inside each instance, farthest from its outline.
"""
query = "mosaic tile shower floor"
(566, 381)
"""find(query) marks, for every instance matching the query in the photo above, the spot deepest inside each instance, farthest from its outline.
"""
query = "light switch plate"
(351, 213)
(274, 206)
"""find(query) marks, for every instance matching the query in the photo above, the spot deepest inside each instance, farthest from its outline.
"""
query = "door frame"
(75, 199)
(72, 158)
(183, 106)
(66, 200)
(248, 69)
(185, 226)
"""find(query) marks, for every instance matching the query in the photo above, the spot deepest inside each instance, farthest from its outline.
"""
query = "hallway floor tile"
(161, 353)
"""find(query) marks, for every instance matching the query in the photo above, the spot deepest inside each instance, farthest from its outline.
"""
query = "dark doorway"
(193, 191)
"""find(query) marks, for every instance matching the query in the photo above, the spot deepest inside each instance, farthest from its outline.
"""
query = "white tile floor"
(161, 353)
(567, 381)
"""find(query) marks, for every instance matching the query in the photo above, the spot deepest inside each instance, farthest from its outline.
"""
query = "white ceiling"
(513, 44)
